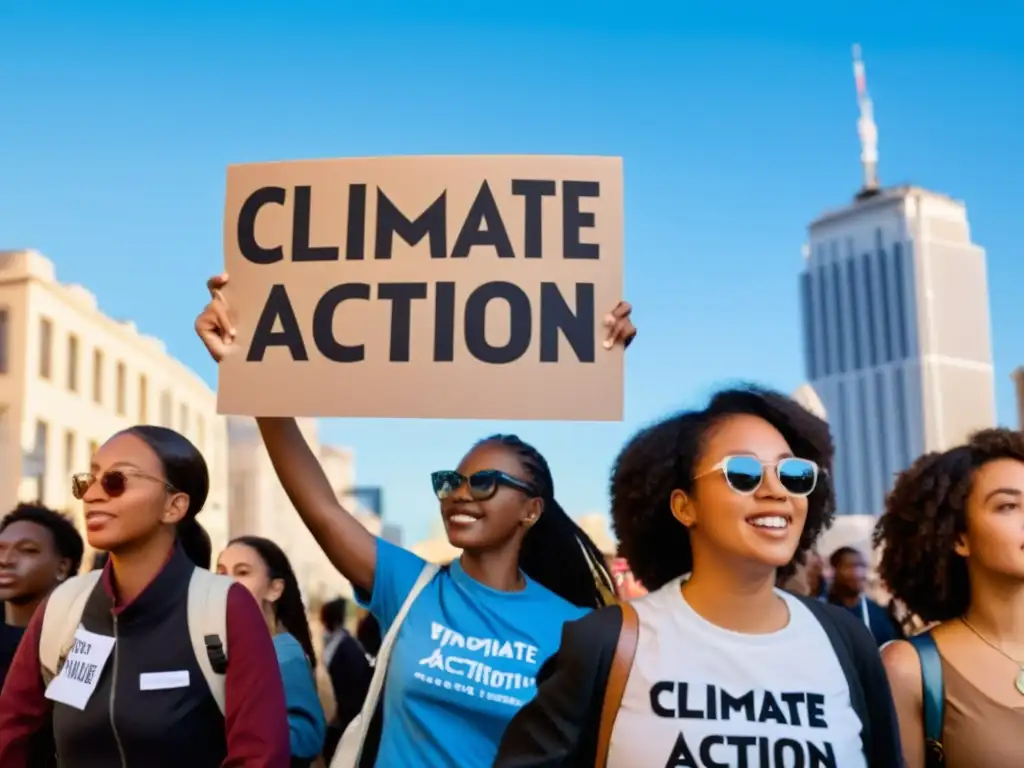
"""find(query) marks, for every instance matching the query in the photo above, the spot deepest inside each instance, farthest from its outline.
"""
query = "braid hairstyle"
(556, 552)
(289, 608)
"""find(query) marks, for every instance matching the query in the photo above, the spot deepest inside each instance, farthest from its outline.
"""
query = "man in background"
(348, 669)
(848, 590)
(39, 548)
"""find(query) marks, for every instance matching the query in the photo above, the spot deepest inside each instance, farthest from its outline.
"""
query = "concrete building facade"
(71, 376)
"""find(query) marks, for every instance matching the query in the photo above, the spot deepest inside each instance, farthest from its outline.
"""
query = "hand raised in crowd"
(214, 324)
(620, 327)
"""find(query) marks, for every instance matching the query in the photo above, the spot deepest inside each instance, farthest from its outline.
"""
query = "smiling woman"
(141, 696)
(711, 507)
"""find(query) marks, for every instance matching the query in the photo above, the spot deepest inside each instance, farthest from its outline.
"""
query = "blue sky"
(737, 126)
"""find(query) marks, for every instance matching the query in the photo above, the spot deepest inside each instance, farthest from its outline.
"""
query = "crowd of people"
(518, 654)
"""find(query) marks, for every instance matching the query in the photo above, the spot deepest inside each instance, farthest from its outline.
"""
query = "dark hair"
(99, 560)
(662, 457)
(556, 552)
(924, 516)
(185, 470)
(837, 557)
(332, 614)
(66, 538)
(289, 608)
(368, 634)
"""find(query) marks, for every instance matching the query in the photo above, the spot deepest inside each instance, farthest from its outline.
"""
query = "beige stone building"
(71, 376)
(260, 507)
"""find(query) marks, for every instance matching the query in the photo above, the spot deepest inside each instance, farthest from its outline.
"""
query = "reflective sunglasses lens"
(445, 482)
(483, 485)
(743, 473)
(114, 483)
(798, 476)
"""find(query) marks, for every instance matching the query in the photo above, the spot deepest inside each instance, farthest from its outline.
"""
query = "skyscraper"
(897, 343)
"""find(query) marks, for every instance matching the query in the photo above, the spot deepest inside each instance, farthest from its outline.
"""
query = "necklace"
(1020, 674)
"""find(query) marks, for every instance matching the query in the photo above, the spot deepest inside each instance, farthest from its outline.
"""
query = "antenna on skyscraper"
(866, 127)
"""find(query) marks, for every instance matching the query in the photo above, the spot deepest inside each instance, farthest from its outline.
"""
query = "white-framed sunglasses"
(744, 474)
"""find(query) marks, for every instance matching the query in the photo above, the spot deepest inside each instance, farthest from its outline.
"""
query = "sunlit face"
(144, 508)
(729, 525)
(244, 564)
(30, 565)
(995, 519)
(490, 523)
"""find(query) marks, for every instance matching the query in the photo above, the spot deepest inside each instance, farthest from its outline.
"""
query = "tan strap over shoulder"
(622, 665)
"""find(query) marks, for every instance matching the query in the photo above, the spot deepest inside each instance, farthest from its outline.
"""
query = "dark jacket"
(558, 728)
(124, 725)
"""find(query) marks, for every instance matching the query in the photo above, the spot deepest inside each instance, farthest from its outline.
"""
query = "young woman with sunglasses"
(148, 702)
(952, 542)
(263, 568)
(711, 507)
(466, 657)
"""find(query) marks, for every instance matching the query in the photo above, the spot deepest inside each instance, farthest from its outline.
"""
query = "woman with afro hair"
(952, 538)
(716, 666)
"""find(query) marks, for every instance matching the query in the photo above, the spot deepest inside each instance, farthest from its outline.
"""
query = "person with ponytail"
(147, 701)
(466, 655)
(263, 568)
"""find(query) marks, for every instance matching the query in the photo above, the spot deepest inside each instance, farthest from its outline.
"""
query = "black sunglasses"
(482, 485)
(114, 482)
(744, 474)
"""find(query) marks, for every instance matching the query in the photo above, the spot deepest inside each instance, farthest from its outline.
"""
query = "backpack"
(207, 625)
(933, 697)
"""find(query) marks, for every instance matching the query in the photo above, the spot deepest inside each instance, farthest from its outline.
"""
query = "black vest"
(128, 727)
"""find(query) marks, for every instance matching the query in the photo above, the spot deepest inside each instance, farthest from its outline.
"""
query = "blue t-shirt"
(306, 723)
(465, 660)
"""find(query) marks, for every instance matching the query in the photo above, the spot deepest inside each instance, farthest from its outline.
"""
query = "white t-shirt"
(700, 696)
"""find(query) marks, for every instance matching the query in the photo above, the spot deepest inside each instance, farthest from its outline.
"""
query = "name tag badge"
(78, 678)
(163, 681)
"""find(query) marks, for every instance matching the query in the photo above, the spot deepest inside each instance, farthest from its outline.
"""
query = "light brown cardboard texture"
(422, 386)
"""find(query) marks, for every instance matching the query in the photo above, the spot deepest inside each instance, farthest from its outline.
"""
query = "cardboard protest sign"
(433, 287)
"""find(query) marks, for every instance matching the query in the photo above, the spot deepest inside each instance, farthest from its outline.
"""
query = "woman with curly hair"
(953, 553)
(716, 666)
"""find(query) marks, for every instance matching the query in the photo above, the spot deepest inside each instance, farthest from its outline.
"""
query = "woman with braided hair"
(952, 540)
(466, 655)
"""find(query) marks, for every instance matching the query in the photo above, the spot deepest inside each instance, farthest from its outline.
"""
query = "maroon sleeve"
(23, 705)
(256, 718)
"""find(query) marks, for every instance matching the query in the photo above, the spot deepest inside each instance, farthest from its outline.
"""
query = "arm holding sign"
(351, 548)
(23, 704)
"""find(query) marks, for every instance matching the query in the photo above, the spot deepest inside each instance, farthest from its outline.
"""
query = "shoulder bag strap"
(622, 665)
(933, 695)
(384, 654)
(207, 628)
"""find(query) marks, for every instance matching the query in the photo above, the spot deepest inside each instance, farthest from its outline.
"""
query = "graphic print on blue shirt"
(465, 660)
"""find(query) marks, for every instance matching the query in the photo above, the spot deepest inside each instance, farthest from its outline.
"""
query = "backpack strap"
(618, 676)
(61, 617)
(933, 695)
(208, 627)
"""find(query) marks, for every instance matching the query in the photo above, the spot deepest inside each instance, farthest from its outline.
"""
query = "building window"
(166, 410)
(901, 306)
(73, 363)
(5, 339)
(837, 288)
(143, 400)
(883, 429)
(97, 376)
(902, 439)
(871, 308)
(69, 453)
(39, 458)
(886, 308)
(122, 384)
(856, 314)
(183, 419)
(808, 317)
(45, 348)
(200, 432)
